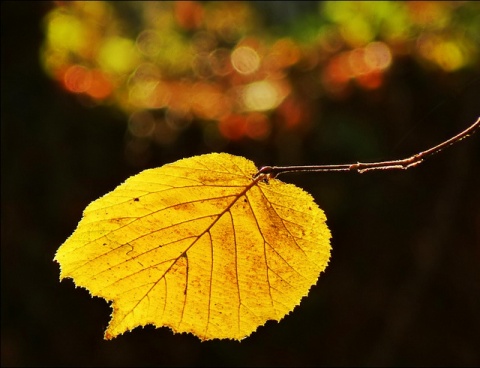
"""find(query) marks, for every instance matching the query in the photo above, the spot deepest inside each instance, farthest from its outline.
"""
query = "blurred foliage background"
(93, 92)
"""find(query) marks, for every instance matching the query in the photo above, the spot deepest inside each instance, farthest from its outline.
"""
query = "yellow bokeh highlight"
(146, 88)
(448, 56)
(261, 96)
(396, 27)
(55, 61)
(143, 94)
(64, 31)
(118, 55)
(357, 32)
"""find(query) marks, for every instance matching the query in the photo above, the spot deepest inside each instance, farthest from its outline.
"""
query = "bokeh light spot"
(258, 126)
(283, 54)
(77, 79)
(208, 102)
(370, 81)
(432, 14)
(220, 62)
(357, 63)
(141, 94)
(293, 112)
(229, 20)
(448, 56)
(245, 60)
(189, 14)
(149, 43)
(100, 86)
(233, 127)
(201, 66)
(118, 55)
(338, 69)
(141, 124)
(65, 31)
(164, 134)
(261, 96)
(357, 32)
(146, 88)
(378, 55)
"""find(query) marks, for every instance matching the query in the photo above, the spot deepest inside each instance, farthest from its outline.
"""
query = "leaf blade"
(197, 244)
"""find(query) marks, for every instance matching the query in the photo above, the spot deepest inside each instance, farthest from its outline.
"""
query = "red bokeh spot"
(100, 87)
(188, 14)
(77, 79)
(233, 127)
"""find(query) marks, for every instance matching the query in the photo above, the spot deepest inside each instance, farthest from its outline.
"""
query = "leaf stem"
(270, 172)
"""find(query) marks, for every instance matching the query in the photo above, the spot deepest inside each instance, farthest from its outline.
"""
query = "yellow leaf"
(199, 246)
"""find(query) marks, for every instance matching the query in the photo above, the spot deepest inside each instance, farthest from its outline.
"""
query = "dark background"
(403, 284)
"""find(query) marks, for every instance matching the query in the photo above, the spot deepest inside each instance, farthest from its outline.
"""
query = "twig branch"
(270, 172)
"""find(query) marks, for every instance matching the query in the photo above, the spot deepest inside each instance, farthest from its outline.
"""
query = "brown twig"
(270, 172)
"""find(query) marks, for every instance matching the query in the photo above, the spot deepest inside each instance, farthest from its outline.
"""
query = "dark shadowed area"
(403, 284)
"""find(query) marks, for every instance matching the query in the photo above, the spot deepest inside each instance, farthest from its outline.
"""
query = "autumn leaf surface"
(199, 246)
